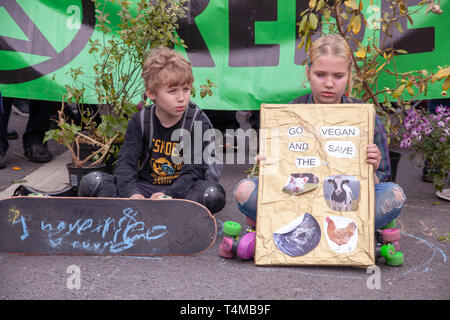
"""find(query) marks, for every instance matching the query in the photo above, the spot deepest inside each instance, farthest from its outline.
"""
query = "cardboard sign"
(316, 203)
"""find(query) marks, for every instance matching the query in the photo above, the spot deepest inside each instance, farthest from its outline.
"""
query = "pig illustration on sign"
(299, 183)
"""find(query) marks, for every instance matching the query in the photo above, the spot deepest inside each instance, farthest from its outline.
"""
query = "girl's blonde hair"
(332, 44)
(164, 66)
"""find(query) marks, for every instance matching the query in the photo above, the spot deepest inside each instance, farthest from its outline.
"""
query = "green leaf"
(352, 4)
(356, 25)
(308, 44)
(303, 23)
(409, 89)
(313, 21)
(362, 51)
(320, 5)
(446, 84)
(397, 93)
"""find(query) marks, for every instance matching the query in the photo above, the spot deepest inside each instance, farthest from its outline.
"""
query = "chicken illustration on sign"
(341, 233)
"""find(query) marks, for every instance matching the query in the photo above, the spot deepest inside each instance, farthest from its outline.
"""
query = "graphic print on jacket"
(163, 170)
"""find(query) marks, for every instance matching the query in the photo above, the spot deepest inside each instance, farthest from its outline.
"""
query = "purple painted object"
(246, 246)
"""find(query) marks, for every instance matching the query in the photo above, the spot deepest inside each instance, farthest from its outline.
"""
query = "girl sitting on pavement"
(329, 72)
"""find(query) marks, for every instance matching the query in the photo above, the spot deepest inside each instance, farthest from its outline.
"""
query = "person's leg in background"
(38, 124)
(4, 119)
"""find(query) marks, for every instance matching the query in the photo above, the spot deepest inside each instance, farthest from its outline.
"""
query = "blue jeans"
(387, 206)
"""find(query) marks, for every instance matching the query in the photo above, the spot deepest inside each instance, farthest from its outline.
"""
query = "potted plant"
(428, 135)
(373, 60)
(119, 55)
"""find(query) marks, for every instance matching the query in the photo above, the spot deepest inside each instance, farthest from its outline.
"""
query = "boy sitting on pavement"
(155, 169)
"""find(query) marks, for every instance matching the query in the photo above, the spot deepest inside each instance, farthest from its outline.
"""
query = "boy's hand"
(157, 195)
(373, 156)
(137, 196)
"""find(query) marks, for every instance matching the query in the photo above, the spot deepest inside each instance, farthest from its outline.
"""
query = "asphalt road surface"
(424, 275)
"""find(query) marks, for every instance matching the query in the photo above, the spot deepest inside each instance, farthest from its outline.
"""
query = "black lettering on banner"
(412, 40)
(197, 50)
(302, 5)
(360, 35)
(300, 55)
(37, 43)
(243, 50)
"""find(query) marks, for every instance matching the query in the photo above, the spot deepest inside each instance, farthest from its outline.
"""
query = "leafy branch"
(374, 61)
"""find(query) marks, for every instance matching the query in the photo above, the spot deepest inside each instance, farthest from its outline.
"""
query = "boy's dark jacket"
(132, 151)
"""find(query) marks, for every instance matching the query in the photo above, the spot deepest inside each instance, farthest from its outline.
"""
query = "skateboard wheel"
(227, 244)
(390, 225)
(246, 246)
(391, 235)
(232, 228)
(396, 245)
(35, 194)
(387, 251)
(396, 260)
(225, 253)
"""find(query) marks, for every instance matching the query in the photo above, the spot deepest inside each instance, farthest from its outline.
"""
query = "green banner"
(248, 48)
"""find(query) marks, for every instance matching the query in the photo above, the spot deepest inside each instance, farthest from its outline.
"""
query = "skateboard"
(104, 226)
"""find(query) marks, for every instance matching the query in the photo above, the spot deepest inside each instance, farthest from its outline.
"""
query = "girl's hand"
(255, 168)
(137, 196)
(373, 156)
(260, 157)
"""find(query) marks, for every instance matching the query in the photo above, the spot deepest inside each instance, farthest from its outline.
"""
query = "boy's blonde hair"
(332, 44)
(164, 66)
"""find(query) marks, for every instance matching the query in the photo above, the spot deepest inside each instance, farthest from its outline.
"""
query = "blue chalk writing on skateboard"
(24, 227)
(125, 232)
